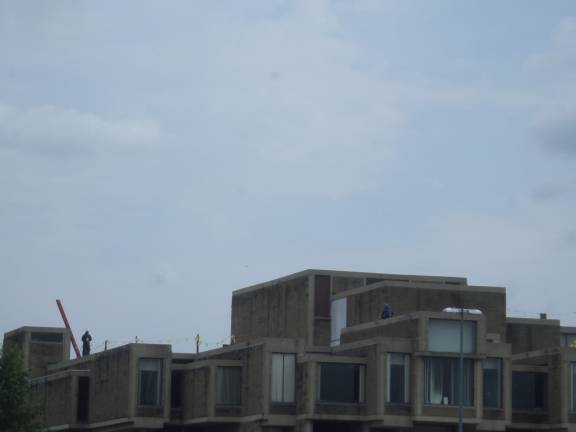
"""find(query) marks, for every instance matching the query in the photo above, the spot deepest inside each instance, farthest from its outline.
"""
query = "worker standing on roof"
(86, 339)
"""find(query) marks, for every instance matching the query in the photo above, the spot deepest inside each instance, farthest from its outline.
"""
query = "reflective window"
(398, 378)
(492, 382)
(283, 377)
(444, 336)
(441, 379)
(338, 310)
(340, 382)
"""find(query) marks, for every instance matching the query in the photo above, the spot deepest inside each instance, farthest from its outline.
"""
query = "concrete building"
(311, 353)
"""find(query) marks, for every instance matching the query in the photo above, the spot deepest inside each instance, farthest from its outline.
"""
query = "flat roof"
(450, 280)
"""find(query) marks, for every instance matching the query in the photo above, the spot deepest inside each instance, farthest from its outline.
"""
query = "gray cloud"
(53, 129)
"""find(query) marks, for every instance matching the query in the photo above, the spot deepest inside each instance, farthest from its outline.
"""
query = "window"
(444, 336)
(83, 400)
(283, 377)
(492, 382)
(150, 375)
(341, 382)
(441, 379)
(573, 387)
(528, 390)
(228, 388)
(338, 320)
(568, 340)
(398, 378)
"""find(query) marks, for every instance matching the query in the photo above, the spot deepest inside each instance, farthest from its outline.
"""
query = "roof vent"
(543, 316)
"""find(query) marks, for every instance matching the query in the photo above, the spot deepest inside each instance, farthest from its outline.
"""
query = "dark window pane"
(83, 399)
(46, 337)
(573, 387)
(148, 387)
(529, 390)
(150, 382)
(397, 383)
(176, 389)
(492, 382)
(228, 385)
(341, 382)
(322, 296)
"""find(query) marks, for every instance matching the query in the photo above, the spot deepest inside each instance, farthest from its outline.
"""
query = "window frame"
(158, 402)
(406, 380)
(283, 378)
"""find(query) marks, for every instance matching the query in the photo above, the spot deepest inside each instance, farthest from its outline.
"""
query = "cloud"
(558, 135)
(57, 130)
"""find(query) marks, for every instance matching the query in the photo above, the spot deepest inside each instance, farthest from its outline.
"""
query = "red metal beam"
(67, 324)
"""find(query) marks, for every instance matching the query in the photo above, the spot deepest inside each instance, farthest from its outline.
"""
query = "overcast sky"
(157, 155)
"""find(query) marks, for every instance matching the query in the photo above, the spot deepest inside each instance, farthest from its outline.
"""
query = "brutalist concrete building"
(312, 353)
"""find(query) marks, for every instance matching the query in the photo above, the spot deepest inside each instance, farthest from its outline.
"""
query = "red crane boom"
(67, 324)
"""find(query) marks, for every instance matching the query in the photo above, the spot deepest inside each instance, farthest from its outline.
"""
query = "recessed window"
(444, 335)
(398, 378)
(341, 382)
(441, 381)
(283, 377)
(529, 390)
(228, 389)
(150, 378)
(492, 382)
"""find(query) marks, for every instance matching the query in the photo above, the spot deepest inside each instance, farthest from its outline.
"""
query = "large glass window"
(228, 381)
(529, 390)
(150, 379)
(340, 382)
(398, 378)
(441, 377)
(444, 336)
(283, 377)
(492, 382)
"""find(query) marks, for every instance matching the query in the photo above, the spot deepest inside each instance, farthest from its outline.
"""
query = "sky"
(157, 155)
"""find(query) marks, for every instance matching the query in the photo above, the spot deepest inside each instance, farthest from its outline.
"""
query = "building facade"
(312, 353)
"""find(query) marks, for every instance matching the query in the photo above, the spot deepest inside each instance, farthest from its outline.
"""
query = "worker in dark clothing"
(387, 312)
(86, 339)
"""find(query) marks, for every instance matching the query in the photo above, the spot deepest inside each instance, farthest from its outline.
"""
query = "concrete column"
(266, 371)
(310, 311)
(381, 380)
(304, 426)
(479, 388)
(417, 385)
(311, 384)
(507, 388)
(211, 394)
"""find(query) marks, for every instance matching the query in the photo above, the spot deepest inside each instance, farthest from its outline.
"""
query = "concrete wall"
(55, 399)
(110, 379)
(366, 306)
(532, 334)
(276, 310)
